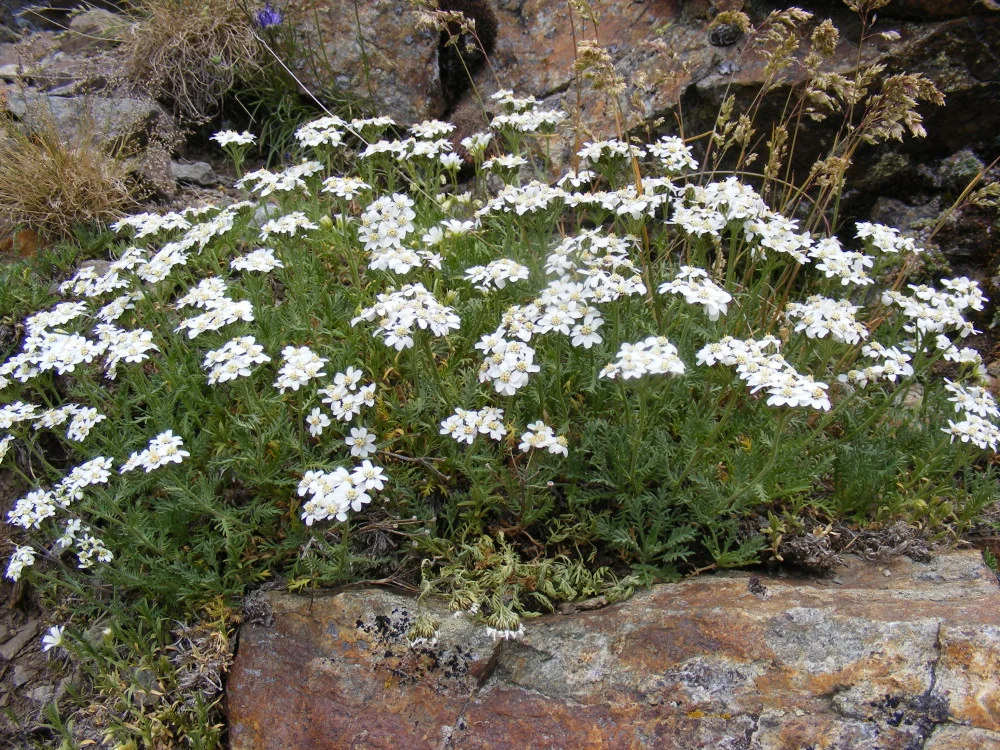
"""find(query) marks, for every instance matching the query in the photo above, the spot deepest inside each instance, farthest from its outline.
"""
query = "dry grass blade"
(191, 52)
(51, 184)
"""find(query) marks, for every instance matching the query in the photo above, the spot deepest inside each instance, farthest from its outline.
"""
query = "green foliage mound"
(510, 395)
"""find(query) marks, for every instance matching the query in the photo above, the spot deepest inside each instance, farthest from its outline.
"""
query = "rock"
(372, 50)
(23, 242)
(265, 213)
(42, 694)
(195, 173)
(110, 117)
(875, 662)
(948, 737)
(959, 169)
(93, 30)
(21, 638)
(21, 675)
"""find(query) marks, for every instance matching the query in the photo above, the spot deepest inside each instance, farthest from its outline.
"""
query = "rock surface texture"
(371, 50)
(892, 656)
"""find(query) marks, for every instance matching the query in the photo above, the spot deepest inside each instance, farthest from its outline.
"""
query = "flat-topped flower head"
(231, 137)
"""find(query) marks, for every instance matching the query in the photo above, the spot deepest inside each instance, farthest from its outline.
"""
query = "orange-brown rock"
(893, 656)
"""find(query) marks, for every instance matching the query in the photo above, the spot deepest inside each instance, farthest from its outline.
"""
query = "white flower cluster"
(301, 365)
(847, 265)
(347, 188)
(477, 143)
(819, 316)
(594, 152)
(399, 312)
(890, 364)
(507, 365)
(383, 227)
(234, 360)
(201, 234)
(776, 232)
(654, 355)
(370, 125)
(496, 274)
(979, 408)
(87, 282)
(165, 448)
(46, 351)
(769, 372)
(205, 294)
(326, 131)
(886, 239)
(529, 120)
(575, 178)
(83, 421)
(504, 163)
(932, 311)
(464, 424)
(40, 504)
(22, 558)
(145, 224)
(89, 549)
(674, 155)
(95, 471)
(227, 137)
(5, 442)
(332, 494)
(121, 345)
(699, 289)
(19, 411)
(157, 268)
(264, 182)
(288, 224)
(262, 260)
(541, 436)
(219, 312)
(345, 398)
(117, 307)
(527, 199)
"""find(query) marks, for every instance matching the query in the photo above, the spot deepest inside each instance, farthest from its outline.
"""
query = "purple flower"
(269, 16)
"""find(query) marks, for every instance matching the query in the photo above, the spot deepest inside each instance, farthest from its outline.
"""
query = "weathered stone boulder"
(194, 173)
(107, 117)
(900, 655)
(371, 50)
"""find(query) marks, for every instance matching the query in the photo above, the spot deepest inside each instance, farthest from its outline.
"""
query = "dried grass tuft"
(191, 52)
(52, 185)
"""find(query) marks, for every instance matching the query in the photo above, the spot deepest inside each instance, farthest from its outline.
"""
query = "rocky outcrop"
(900, 655)
(371, 50)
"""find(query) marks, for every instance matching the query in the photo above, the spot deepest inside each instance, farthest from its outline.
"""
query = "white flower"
(540, 435)
(693, 283)
(361, 442)
(496, 274)
(302, 364)
(225, 137)
(464, 425)
(22, 558)
(654, 355)
(234, 359)
(53, 638)
(317, 421)
(5, 443)
(288, 224)
(368, 476)
(398, 313)
(163, 449)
